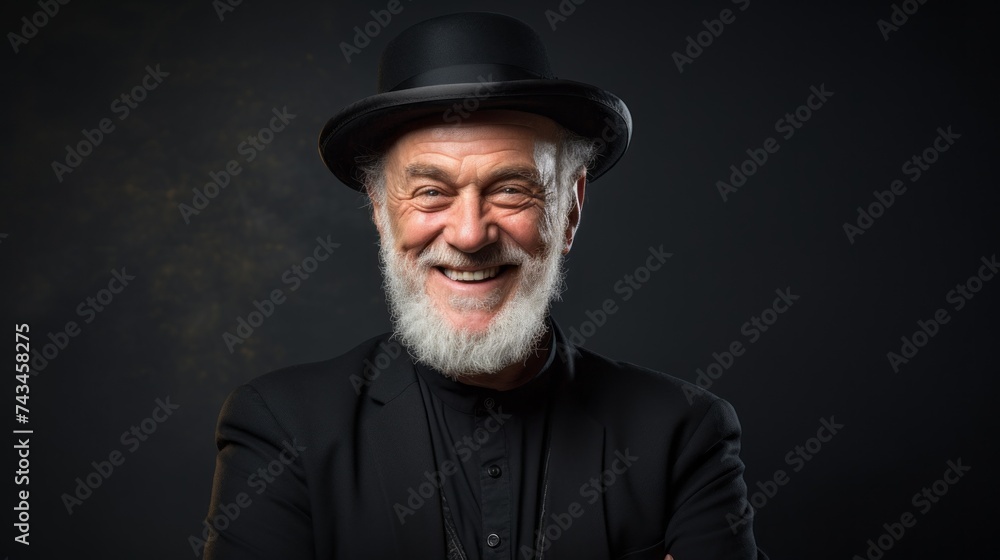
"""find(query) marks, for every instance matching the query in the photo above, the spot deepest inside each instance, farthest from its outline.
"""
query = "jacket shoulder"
(615, 382)
(658, 414)
(316, 394)
(330, 376)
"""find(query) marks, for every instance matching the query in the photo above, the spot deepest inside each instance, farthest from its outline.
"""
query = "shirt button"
(494, 471)
(489, 402)
(493, 540)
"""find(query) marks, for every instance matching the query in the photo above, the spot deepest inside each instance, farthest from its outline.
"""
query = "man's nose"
(470, 226)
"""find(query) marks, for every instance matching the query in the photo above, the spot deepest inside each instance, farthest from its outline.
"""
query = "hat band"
(466, 74)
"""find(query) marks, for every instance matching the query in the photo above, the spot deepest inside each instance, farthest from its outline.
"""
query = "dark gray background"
(162, 336)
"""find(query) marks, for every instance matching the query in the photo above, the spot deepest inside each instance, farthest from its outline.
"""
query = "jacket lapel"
(574, 523)
(401, 446)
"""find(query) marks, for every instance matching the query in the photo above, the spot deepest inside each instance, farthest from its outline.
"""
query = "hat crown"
(463, 48)
(449, 66)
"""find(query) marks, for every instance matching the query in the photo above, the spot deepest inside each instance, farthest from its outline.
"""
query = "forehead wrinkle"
(466, 133)
(475, 170)
(471, 168)
(527, 173)
(439, 149)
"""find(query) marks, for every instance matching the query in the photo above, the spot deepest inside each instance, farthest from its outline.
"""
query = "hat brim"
(364, 128)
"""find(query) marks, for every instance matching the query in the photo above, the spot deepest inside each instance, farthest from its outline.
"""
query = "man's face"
(472, 243)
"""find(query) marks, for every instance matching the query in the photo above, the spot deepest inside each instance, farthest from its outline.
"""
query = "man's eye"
(511, 190)
(430, 193)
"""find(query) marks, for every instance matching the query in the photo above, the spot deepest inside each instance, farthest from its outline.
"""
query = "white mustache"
(498, 254)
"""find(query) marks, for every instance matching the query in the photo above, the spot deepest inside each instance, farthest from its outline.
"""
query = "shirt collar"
(469, 398)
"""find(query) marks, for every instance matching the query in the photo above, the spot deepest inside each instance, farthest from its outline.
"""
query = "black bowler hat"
(455, 64)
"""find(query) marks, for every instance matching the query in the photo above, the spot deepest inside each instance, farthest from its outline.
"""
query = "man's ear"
(575, 210)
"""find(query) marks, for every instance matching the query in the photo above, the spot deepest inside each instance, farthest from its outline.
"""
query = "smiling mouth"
(471, 275)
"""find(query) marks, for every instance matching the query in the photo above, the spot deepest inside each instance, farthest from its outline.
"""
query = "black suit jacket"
(333, 460)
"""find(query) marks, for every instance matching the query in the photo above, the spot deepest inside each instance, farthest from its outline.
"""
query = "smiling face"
(473, 228)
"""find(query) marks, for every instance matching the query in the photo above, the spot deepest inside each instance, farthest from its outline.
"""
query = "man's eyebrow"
(529, 174)
(506, 173)
(419, 170)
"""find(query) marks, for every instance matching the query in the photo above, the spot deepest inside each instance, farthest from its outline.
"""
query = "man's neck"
(516, 374)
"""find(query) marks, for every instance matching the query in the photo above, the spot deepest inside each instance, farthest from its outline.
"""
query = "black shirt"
(490, 451)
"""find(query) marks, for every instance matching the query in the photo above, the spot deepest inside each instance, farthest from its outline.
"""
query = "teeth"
(469, 276)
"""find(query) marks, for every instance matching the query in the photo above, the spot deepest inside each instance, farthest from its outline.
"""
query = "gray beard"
(513, 334)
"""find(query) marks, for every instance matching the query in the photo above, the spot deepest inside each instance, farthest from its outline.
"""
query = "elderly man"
(476, 430)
